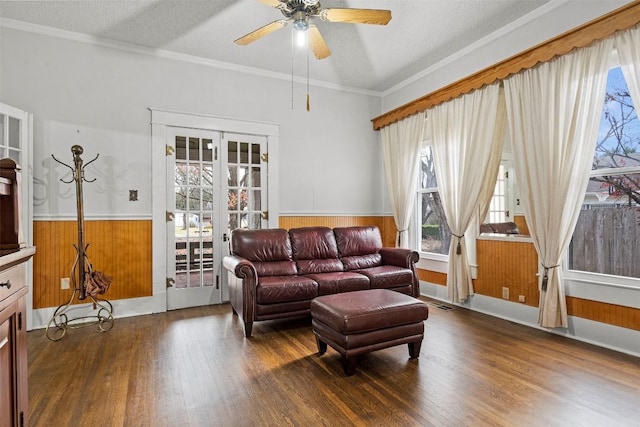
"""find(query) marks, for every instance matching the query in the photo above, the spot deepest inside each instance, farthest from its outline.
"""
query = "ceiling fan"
(302, 12)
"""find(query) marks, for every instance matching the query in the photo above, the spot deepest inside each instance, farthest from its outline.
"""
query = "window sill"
(440, 264)
(522, 238)
(604, 288)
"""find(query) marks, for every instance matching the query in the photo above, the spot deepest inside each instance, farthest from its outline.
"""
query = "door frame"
(161, 120)
(26, 147)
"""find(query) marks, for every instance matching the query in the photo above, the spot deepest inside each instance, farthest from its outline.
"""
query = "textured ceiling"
(369, 57)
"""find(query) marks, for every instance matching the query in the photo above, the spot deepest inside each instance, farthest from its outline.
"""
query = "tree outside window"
(607, 235)
(435, 236)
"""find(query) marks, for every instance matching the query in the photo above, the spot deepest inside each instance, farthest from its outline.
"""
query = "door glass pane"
(194, 149)
(233, 152)
(207, 150)
(181, 148)
(255, 177)
(256, 202)
(2, 117)
(14, 132)
(232, 176)
(194, 202)
(243, 177)
(15, 156)
(256, 221)
(245, 192)
(255, 154)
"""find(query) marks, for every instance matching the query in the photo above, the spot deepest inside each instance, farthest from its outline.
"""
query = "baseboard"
(601, 334)
(121, 308)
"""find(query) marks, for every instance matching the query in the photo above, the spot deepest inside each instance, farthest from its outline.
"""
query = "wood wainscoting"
(507, 264)
(386, 224)
(119, 248)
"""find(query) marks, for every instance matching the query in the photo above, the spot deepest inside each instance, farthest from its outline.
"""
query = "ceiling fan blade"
(261, 32)
(272, 3)
(318, 45)
(357, 16)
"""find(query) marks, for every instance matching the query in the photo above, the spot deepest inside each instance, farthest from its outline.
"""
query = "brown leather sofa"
(275, 273)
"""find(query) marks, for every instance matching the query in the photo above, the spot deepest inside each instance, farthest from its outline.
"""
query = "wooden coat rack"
(60, 321)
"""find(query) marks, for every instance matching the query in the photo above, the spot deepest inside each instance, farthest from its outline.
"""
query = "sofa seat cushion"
(273, 289)
(387, 276)
(332, 283)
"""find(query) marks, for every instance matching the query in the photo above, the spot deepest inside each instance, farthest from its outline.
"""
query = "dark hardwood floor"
(194, 367)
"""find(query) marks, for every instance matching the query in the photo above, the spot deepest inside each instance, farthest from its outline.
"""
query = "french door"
(193, 232)
(216, 182)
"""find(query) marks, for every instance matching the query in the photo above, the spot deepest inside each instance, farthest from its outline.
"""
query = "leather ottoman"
(354, 323)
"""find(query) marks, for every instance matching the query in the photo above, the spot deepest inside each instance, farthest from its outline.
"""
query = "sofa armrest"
(405, 258)
(240, 267)
(243, 280)
(399, 256)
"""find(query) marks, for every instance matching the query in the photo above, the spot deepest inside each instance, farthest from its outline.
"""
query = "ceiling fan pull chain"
(308, 48)
(292, 56)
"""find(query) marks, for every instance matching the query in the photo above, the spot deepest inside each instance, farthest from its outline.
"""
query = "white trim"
(161, 116)
(167, 54)
(519, 238)
(614, 171)
(520, 22)
(320, 214)
(433, 262)
(612, 293)
(623, 340)
(93, 217)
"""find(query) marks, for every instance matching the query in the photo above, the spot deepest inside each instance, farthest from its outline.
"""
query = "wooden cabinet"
(13, 338)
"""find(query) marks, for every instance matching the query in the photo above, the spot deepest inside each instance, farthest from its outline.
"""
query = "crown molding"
(600, 28)
(176, 56)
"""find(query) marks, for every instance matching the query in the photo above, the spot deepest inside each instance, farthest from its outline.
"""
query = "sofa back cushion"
(359, 246)
(315, 250)
(269, 250)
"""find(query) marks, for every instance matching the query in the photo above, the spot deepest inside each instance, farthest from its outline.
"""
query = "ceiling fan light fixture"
(301, 25)
(311, 2)
(300, 36)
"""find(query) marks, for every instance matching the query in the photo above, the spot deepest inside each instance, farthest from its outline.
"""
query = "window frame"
(506, 163)
(583, 279)
(431, 261)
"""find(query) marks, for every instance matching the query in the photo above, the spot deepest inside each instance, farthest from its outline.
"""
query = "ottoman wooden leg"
(349, 364)
(414, 349)
(322, 346)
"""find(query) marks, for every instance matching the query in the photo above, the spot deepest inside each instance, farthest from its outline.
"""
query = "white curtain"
(467, 135)
(401, 143)
(554, 113)
(628, 45)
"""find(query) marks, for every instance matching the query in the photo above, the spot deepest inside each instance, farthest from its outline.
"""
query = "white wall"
(547, 22)
(98, 97)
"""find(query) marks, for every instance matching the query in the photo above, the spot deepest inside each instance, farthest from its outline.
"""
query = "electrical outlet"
(64, 283)
(505, 292)
(521, 298)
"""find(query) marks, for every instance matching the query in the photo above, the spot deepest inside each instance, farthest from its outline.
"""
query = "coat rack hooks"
(60, 322)
(77, 150)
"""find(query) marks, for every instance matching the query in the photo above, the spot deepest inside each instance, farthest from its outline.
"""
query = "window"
(500, 205)
(607, 236)
(434, 234)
